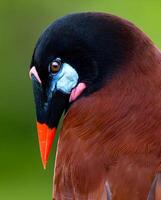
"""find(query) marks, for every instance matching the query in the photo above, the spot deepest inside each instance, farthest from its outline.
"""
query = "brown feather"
(114, 135)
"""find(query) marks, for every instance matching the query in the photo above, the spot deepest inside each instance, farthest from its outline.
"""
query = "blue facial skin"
(61, 82)
(64, 80)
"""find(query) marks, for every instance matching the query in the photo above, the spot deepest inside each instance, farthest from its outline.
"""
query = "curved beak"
(48, 112)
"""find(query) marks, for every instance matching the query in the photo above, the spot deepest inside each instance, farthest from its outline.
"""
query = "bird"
(104, 74)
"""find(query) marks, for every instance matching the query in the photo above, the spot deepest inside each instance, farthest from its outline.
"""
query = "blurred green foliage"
(21, 174)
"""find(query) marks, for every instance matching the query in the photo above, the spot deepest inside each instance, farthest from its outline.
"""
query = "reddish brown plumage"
(113, 136)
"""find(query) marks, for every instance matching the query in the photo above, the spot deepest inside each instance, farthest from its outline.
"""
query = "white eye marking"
(34, 72)
(65, 80)
(68, 79)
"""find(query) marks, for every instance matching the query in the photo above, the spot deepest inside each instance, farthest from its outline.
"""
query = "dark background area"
(21, 174)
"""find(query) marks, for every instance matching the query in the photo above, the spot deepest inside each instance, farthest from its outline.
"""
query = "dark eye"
(55, 65)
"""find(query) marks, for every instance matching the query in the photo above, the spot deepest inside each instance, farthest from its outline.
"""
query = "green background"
(21, 174)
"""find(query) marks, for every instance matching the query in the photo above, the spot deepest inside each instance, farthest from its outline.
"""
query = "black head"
(95, 44)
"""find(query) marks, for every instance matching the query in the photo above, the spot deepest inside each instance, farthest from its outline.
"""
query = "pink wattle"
(77, 91)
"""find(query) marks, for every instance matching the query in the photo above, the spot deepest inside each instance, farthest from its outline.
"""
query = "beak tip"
(44, 166)
(44, 161)
(46, 137)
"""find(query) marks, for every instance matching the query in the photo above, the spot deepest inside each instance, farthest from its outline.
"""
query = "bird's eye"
(55, 66)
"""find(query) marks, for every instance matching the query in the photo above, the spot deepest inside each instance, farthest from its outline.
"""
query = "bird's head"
(74, 57)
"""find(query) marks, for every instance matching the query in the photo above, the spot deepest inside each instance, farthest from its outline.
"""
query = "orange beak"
(48, 113)
(46, 137)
